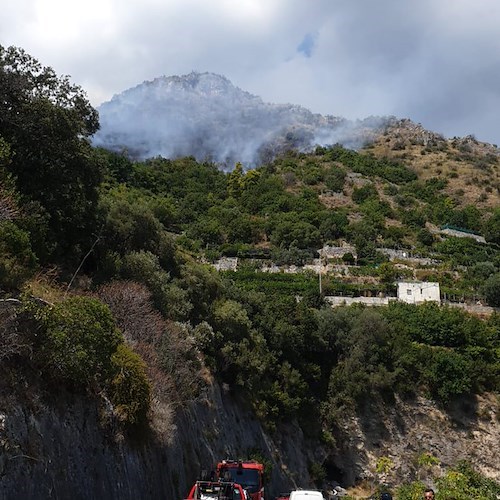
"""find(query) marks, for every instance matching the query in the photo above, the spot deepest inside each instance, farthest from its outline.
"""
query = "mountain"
(204, 115)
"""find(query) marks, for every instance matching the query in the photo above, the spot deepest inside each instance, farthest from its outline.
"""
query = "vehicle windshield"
(247, 478)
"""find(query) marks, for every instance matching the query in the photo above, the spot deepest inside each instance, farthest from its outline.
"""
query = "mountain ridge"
(204, 115)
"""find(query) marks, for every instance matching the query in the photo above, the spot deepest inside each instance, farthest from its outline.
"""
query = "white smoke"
(205, 116)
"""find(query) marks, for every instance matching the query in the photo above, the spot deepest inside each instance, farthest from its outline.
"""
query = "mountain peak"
(204, 115)
(203, 85)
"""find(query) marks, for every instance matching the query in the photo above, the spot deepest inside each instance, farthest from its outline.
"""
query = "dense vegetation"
(461, 483)
(115, 250)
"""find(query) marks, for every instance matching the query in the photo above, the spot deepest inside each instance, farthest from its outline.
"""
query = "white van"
(306, 495)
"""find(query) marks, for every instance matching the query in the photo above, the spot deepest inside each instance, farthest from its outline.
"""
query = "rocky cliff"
(63, 447)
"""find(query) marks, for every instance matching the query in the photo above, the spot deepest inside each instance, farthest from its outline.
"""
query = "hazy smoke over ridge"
(205, 116)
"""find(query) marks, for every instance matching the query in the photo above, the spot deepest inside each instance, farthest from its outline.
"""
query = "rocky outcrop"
(60, 447)
(404, 431)
(64, 446)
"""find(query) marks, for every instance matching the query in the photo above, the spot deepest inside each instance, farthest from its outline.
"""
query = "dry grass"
(44, 286)
(360, 492)
(472, 168)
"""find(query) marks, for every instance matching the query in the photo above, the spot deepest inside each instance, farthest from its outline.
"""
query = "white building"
(416, 292)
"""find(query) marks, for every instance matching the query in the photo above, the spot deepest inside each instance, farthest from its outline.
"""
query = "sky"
(436, 62)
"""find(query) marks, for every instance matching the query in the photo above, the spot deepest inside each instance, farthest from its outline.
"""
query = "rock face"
(205, 116)
(58, 447)
(404, 432)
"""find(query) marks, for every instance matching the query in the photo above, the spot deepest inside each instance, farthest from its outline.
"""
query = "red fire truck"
(217, 490)
(249, 474)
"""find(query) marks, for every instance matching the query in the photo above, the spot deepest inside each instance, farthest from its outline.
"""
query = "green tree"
(130, 223)
(425, 237)
(364, 235)
(230, 318)
(467, 218)
(47, 122)
(387, 273)
(362, 341)
(17, 260)
(447, 373)
(333, 224)
(289, 230)
(492, 290)
(491, 227)
(235, 181)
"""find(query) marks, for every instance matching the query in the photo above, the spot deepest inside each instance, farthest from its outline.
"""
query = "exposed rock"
(59, 448)
(403, 431)
(62, 446)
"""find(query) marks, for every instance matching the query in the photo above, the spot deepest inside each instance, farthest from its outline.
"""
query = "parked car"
(306, 495)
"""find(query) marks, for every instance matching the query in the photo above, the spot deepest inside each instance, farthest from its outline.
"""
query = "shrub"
(130, 223)
(180, 359)
(317, 472)
(144, 267)
(492, 290)
(335, 179)
(460, 482)
(447, 374)
(132, 307)
(364, 193)
(17, 260)
(129, 388)
(79, 336)
(413, 491)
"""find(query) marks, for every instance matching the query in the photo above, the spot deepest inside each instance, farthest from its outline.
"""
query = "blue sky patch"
(307, 45)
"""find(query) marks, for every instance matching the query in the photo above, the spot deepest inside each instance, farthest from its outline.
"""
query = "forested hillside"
(108, 286)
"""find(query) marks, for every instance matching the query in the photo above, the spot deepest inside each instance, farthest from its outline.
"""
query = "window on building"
(408, 292)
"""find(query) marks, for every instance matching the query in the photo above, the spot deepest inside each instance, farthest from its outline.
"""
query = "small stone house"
(416, 292)
(329, 252)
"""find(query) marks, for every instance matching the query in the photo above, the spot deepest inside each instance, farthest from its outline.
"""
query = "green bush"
(78, 339)
(129, 388)
(130, 223)
(461, 482)
(17, 260)
(368, 165)
(364, 193)
(413, 491)
(491, 227)
(447, 373)
(492, 290)
(335, 179)
(144, 267)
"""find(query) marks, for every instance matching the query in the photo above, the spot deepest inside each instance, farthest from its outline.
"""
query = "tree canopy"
(46, 121)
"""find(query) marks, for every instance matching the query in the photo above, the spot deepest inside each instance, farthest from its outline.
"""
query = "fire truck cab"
(249, 474)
